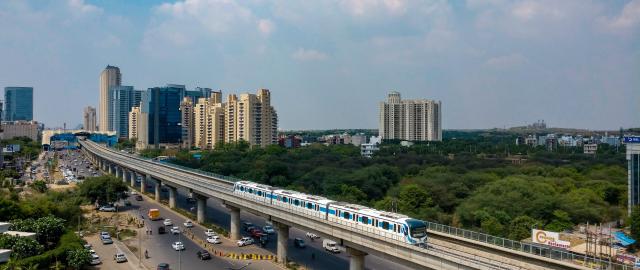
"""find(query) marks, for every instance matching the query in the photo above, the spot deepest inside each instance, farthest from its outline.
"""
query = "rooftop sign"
(631, 139)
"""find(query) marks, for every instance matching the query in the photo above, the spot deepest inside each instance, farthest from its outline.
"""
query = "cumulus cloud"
(302, 54)
(372, 7)
(628, 19)
(81, 7)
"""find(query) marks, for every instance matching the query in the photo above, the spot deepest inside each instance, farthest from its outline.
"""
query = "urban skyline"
(520, 60)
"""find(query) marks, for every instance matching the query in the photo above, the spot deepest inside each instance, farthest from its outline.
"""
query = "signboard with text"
(549, 238)
(631, 139)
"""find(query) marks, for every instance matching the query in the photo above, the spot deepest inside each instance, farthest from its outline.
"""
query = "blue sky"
(492, 63)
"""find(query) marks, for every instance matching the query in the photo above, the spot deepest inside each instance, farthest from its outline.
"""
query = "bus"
(154, 214)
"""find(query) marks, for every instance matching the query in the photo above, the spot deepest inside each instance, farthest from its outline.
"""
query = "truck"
(154, 214)
(330, 245)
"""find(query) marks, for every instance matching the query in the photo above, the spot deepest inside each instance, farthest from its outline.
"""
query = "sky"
(328, 64)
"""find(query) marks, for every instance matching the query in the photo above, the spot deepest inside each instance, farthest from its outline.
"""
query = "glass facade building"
(633, 160)
(162, 107)
(120, 100)
(18, 103)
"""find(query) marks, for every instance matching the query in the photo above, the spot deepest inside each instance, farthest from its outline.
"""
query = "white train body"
(392, 226)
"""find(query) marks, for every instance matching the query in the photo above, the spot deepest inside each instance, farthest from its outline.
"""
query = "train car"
(344, 213)
(253, 191)
(308, 205)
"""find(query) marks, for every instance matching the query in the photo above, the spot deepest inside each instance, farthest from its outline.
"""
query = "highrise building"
(109, 77)
(209, 121)
(411, 119)
(121, 100)
(188, 127)
(197, 93)
(633, 162)
(251, 118)
(1, 111)
(134, 116)
(89, 117)
(160, 119)
(18, 103)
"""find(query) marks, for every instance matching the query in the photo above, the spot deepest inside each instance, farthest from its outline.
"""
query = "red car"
(257, 233)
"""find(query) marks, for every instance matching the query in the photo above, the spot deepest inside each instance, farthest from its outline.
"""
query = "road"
(217, 214)
(160, 251)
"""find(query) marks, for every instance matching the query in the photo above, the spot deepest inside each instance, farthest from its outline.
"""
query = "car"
(268, 229)
(167, 222)
(107, 208)
(133, 192)
(257, 233)
(250, 228)
(95, 259)
(175, 230)
(210, 232)
(104, 234)
(203, 255)
(245, 241)
(161, 230)
(163, 266)
(139, 198)
(188, 224)
(87, 246)
(214, 239)
(246, 225)
(178, 246)
(312, 235)
(107, 240)
(299, 243)
(120, 257)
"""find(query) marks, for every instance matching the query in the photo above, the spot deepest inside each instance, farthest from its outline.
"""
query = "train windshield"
(417, 228)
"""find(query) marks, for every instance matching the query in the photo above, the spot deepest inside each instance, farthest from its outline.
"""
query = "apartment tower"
(109, 77)
(89, 117)
(209, 121)
(411, 119)
(187, 118)
(251, 118)
(134, 116)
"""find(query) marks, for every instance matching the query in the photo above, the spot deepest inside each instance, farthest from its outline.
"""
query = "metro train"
(389, 225)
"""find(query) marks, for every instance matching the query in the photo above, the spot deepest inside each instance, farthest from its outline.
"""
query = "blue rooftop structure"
(623, 238)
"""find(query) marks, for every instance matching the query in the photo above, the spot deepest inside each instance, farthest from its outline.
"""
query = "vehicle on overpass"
(391, 225)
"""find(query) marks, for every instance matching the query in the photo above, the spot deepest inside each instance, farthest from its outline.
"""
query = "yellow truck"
(154, 214)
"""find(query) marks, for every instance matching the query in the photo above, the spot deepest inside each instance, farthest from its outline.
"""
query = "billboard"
(549, 238)
(631, 139)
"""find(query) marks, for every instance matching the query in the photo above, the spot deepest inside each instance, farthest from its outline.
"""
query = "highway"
(444, 254)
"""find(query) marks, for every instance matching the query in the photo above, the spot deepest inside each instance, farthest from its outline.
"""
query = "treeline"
(462, 182)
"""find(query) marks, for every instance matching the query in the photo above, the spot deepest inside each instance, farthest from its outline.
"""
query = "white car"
(177, 246)
(210, 232)
(245, 241)
(214, 239)
(120, 257)
(167, 222)
(188, 224)
(312, 235)
(268, 229)
(95, 259)
(175, 230)
(107, 209)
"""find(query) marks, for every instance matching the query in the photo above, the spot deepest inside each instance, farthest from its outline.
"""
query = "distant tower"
(18, 103)
(109, 77)
(89, 117)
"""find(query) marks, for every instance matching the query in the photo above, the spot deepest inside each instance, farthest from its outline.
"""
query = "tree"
(40, 186)
(102, 189)
(520, 227)
(25, 247)
(412, 197)
(561, 221)
(78, 257)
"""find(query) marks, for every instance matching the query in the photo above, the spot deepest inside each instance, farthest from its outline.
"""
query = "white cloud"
(507, 61)
(266, 27)
(79, 6)
(308, 55)
(628, 18)
(374, 7)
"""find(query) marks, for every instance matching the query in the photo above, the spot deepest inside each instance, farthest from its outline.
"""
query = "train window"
(241, 188)
(284, 199)
(345, 215)
(309, 206)
(296, 202)
(259, 193)
(395, 229)
(251, 190)
(365, 220)
(317, 208)
(376, 221)
(385, 225)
